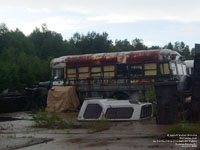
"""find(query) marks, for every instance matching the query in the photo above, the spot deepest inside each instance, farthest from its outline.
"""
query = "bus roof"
(129, 57)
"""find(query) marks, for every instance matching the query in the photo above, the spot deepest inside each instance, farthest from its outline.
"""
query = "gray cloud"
(73, 15)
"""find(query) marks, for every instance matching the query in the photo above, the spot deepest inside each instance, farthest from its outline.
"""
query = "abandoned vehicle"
(120, 74)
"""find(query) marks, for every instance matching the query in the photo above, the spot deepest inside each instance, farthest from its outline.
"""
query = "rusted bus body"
(104, 74)
(111, 58)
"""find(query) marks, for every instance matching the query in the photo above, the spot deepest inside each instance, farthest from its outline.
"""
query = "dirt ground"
(17, 131)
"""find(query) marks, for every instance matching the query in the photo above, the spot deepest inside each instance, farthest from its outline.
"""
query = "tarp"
(62, 98)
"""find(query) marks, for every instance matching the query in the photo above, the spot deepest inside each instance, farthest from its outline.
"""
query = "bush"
(185, 128)
(52, 121)
(149, 96)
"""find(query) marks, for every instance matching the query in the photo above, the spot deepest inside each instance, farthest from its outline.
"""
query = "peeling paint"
(130, 57)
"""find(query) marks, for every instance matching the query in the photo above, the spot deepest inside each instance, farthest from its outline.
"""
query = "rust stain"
(72, 60)
(110, 58)
(84, 60)
(122, 58)
(97, 59)
(131, 57)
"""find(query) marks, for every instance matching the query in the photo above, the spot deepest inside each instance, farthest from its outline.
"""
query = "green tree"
(154, 47)
(25, 60)
(91, 43)
(138, 44)
(47, 43)
(19, 64)
(169, 46)
(183, 49)
(123, 45)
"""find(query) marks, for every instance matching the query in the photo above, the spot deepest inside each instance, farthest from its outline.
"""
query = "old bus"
(118, 73)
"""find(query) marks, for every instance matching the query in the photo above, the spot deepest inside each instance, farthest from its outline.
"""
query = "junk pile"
(174, 96)
(62, 98)
(196, 85)
(23, 99)
(13, 101)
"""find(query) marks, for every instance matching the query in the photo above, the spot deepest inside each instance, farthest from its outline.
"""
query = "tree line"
(25, 60)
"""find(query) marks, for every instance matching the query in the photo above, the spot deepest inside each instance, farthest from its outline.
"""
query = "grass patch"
(53, 121)
(98, 126)
(185, 128)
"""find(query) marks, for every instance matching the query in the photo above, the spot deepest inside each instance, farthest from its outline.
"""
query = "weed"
(52, 121)
(183, 127)
(149, 96)
(12, 136)
(98, 126)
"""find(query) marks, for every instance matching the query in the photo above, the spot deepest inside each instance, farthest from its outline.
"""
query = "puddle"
(15, 116)
(3, 119)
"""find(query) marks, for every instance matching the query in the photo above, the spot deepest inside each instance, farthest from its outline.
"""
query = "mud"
(22, 134)
(16, 143)
(98, 144)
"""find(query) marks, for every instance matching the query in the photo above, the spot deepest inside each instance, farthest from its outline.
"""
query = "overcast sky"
(157, 22)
